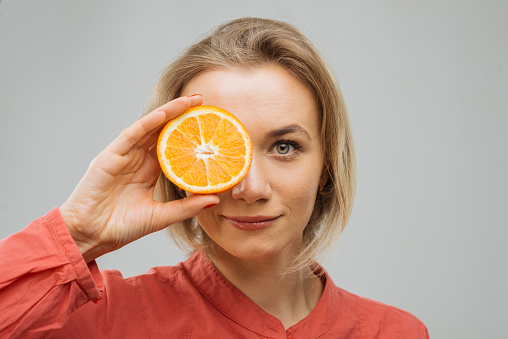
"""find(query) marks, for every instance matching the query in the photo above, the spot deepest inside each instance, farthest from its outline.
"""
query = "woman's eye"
(286, 149)
(283, 148)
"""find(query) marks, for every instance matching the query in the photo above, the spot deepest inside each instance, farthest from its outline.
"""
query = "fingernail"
(210, 206)
(190, 96)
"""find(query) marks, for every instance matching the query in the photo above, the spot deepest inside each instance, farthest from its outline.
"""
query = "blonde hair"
(253, 42)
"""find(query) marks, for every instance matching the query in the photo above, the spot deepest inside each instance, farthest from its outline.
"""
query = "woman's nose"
(254, 187)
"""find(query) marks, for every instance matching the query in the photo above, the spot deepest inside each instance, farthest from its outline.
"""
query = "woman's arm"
(44, 274)
(43, 278)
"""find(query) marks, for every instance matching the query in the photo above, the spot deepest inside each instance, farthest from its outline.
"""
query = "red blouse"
(46, 288)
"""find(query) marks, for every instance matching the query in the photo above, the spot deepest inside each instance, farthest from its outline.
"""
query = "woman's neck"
(289, 297)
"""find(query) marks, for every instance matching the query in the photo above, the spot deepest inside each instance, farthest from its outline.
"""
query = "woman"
(252, 272)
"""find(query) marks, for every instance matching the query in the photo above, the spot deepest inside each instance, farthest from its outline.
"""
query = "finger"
(152, 151)
(149, 138)
(170, 212)
(196, 99)
(133, 134)
(178, 106)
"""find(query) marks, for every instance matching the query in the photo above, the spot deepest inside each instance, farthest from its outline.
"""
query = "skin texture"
(280, 188)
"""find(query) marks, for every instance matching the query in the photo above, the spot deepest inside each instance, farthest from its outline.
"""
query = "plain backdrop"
(426, 86)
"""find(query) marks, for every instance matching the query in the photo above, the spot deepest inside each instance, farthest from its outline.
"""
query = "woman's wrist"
(89, 249)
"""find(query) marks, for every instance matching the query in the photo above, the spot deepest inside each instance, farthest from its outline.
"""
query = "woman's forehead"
(267, 97)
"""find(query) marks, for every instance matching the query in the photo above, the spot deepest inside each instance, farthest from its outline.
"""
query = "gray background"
(425, 83)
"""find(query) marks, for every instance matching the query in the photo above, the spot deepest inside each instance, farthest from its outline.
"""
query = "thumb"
(178, 210)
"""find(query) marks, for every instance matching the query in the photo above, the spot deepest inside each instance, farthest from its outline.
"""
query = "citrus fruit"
(204, 150)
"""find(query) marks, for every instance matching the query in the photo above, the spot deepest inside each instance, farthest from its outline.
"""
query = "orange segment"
(216, 173)
(234, 151)
(178, 139)
(180, 159)
(209, 123)
(190, 128)
(196, 175)
(227, 135)
(205, 150)
(232, 165)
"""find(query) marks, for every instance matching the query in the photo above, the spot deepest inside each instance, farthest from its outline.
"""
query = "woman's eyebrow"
(288, 129)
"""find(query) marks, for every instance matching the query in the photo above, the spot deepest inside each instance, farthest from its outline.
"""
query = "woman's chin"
(254, 250)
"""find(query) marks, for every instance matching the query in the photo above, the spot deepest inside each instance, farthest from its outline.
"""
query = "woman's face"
(266, 213)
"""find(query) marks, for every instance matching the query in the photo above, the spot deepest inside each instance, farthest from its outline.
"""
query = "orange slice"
(205, 150)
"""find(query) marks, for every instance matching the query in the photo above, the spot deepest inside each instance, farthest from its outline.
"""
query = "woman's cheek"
(206, 219)
(301, 199)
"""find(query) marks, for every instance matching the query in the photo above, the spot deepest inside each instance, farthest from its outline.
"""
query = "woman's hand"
(113, 203)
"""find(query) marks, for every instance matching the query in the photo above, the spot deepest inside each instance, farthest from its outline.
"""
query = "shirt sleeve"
(43, 278)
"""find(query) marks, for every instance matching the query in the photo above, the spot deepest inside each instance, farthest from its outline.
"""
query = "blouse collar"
(235, 305)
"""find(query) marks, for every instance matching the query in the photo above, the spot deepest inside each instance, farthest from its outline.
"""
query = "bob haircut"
(251, 43)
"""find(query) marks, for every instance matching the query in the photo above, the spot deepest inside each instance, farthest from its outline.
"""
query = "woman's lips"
(251, 223)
